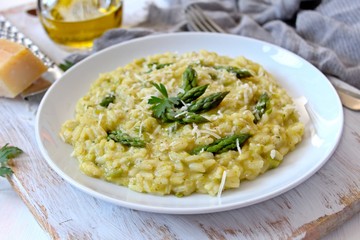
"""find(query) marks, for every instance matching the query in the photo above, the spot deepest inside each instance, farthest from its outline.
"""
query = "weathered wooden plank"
(309, 211)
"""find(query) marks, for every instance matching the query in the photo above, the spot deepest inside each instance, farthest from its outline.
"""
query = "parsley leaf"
(161, 105)
(66, 65)
(6, 153)
(5, 171)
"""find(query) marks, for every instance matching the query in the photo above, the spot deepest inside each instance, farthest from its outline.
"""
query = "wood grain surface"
(309, 211)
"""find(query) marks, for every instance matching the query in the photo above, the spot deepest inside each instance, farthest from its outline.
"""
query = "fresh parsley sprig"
(162, 104)
(66, 65)
(7, 153)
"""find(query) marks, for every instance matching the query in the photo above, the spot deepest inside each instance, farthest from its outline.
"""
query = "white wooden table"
(317, 211)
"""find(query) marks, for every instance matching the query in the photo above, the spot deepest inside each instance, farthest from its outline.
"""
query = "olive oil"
(75, 24)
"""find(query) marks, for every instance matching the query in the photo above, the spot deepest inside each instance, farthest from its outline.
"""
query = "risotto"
(183, 123)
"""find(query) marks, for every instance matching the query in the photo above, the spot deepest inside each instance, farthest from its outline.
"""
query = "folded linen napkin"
(326, 33)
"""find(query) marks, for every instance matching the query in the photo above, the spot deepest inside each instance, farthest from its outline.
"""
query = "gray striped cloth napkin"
(326, 33)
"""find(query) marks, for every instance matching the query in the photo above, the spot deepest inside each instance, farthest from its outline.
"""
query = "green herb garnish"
(169, 109)
(7, 153)
(66, 65)
(163, 104)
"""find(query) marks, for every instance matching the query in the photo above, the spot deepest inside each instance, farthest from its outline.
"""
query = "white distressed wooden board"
(309, 211)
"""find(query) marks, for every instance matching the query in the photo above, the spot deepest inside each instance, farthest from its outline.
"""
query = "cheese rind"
(19, 68)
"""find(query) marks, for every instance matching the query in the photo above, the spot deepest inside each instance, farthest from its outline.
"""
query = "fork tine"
(196, 16)
(192, 23)
(192, 26)
(196, 22)
(209, 21)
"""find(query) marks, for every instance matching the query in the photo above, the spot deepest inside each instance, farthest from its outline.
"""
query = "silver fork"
(199, 22)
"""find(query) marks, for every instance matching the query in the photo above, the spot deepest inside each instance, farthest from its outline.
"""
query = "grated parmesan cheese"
(100, 118)
(140, 129)
(181, 90)
(157, 129)
(273, 154)
(172, 81)
(180, 114)
(222, 184)
(138, 77)
(207, 131)
(246, 96)
(195, 131)
(289, 107)
(143, 110)
(238, 146)
(271, 88)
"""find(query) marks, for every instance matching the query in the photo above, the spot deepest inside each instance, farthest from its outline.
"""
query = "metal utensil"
(199, 22)
(10, 32)
(349, 99)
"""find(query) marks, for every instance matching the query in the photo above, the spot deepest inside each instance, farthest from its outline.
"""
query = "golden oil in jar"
(74, 24)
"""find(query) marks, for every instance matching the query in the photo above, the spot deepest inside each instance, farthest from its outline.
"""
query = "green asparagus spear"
(207, 103)
(184, 117)
(190, 117)
(193, 93)
(240, 72)
(260, 107)
(224, 144)
(157, 66)
(189, 79)
(165, 108)
(125, 139)
(107, 100)
(189, 85)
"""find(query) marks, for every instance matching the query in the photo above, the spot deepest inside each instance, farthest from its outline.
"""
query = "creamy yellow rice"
(166, 165)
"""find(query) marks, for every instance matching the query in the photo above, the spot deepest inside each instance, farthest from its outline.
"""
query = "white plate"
(299, 77)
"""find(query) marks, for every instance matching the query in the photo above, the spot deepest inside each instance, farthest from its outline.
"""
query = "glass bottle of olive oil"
(74, 24)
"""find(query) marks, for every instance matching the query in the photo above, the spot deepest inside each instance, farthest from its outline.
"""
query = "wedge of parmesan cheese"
(19, 68)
